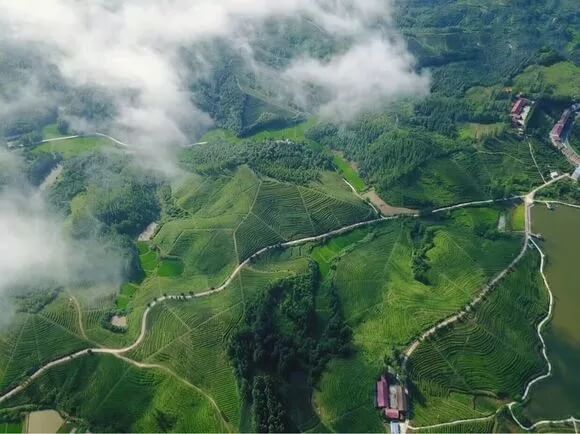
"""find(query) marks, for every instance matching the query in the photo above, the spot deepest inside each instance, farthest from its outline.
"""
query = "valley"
(307, 217)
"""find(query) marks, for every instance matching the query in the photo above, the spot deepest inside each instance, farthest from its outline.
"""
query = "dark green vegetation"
(386, 306)
(93, 388)
(45, 327)
(282, 341)
(280, 159)
(556, 397)
(112, 195)
(297, 320)
(226, 218)
(565, 191)
(467, 370)
(298, 338)
(418, 168)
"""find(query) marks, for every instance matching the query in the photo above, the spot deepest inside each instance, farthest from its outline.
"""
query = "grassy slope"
(350, 174)
(492, 353)
(32, 340)
(562, 80)
(469, 175)
(386, 307)
(296, 134)
(227, 219)
(189, 338)
(94, 386)
(72, 147)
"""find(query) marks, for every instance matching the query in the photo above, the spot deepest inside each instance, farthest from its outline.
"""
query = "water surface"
(558, 397)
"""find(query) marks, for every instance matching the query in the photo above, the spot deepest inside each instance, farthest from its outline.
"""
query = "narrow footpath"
(529, 200)
(118, 352)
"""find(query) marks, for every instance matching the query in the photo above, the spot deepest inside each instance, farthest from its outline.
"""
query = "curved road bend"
(119, 351)
(529, 202)
(141, 337)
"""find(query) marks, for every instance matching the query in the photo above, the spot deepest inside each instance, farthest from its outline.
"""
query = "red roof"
(565, 116)
(392, 413)
(518, 106)
(557, 130)
(382, 393)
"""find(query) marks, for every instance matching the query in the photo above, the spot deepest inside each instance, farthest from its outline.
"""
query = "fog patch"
(135, 49)
(36, 250)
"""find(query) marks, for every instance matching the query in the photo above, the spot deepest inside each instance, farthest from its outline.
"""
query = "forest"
(281, 336)
(284, 160)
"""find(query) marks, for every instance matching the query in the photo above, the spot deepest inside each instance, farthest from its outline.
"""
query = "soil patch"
(45, 421)
(148, 233)
(385, 208)
(119, 321)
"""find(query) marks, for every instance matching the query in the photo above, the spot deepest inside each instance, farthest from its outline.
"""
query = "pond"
(558, 397)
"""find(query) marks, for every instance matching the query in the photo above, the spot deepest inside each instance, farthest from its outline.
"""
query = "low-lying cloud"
(143, 57)
(134, 49)
(36, 251)
(364, 78)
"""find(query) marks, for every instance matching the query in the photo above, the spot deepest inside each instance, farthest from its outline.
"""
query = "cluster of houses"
(391, 398)
(520, 112)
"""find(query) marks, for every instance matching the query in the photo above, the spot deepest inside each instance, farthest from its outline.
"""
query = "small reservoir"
(557, 397)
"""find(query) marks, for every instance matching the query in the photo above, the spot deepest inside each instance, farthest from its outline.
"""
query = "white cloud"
(36, 251)
(133, 50)
(364, 78)
(135, 45)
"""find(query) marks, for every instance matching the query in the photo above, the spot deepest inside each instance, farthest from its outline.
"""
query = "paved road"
(529, 202)
(77, 136)
(143, 332)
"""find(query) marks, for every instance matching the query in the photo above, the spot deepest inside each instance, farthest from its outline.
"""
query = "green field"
(475, 174)
(382, 302)
(72, 147)
(517, 218)
(469, 369)
(480, 131)
(350, 174)
(295, 133)
(11, 427)
(51, 132)
(33, 339)
(233, 217)
(154, 401)
(561, 80)
(386, 306)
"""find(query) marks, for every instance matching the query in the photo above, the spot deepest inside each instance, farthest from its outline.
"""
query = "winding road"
(528, 240)
(118, 352)
(228, 281)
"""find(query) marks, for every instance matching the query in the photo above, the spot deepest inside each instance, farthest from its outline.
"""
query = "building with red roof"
(382, 393)
(520, 112)
(519, 105)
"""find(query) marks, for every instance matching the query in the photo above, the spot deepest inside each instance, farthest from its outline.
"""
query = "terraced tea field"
(93, 387)
(465, 371)
(35, 339)
(183, 350)
(386, 306)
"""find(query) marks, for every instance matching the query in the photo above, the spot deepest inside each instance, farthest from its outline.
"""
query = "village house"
(520, 112)
(560, 131)
(557, 133)
(391, 398)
